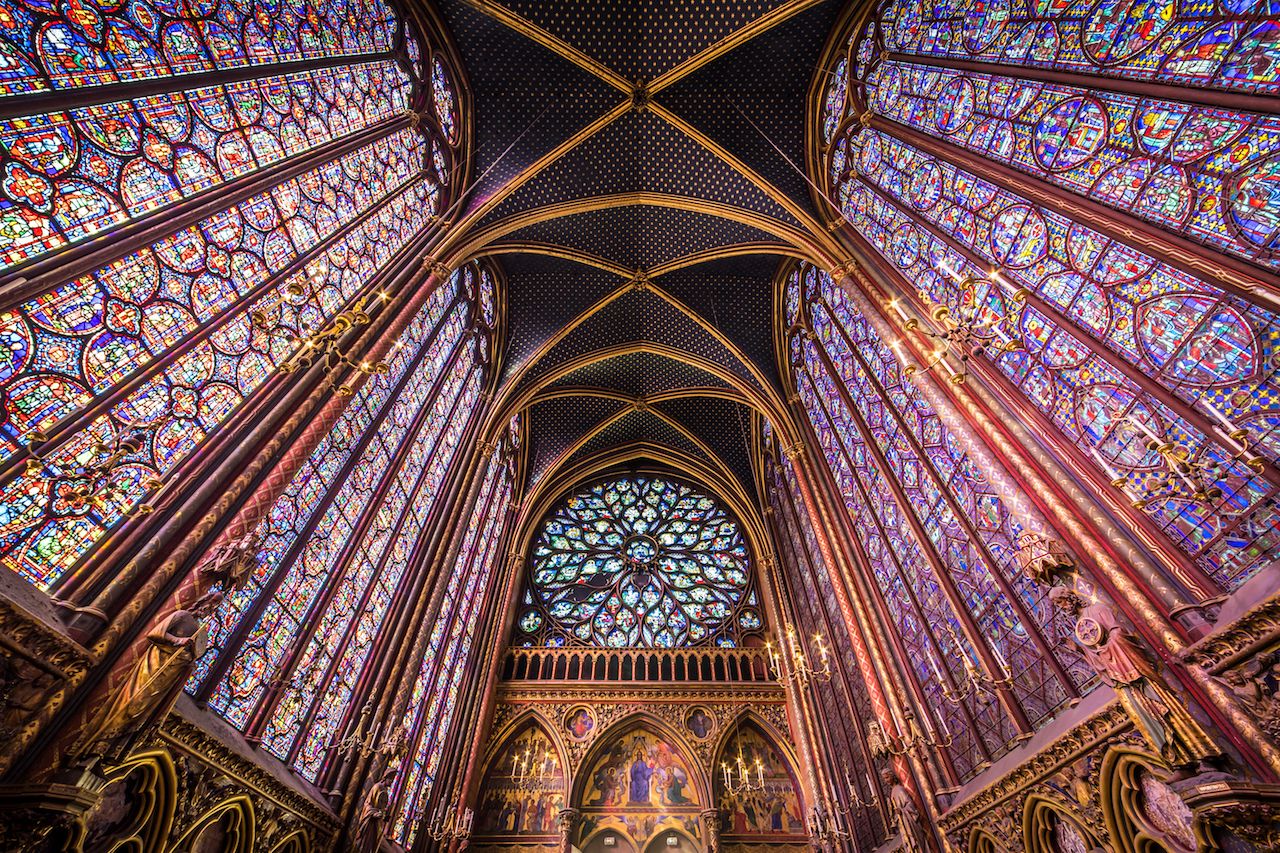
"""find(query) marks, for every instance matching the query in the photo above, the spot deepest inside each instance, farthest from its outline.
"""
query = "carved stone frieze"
(212, 771)
(1255, 633)
(1249, 811)
(38, 666)
(1066, 771)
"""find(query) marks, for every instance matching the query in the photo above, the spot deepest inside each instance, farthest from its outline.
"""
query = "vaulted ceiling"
(638, 176)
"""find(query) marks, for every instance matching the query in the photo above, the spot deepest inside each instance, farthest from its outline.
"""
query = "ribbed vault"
(640, 193)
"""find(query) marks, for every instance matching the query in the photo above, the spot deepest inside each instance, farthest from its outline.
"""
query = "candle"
(1219, 416)
(1146, 430)
(1104, 464)
(995, 650)
(933, 662)
(871, 788)
(896, 305)
(950, 272)
(946, 365)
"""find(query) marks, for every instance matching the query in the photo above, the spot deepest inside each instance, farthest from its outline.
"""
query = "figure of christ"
(641, 773)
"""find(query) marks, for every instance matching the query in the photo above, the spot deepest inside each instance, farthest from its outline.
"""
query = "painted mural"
(641, 770)
(523, 790)
(774, 810)
(638, 786)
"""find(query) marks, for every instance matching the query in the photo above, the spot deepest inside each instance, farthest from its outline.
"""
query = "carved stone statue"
(1043, 559)
(877, 743)
(906, 815)
(1159, 714)
(231, 564)
(139, 702)
(371, 823)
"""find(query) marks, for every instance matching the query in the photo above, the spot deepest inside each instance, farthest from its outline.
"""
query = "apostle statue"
(1155, 710)
(906, 815)
(142, 699)
(372, 821)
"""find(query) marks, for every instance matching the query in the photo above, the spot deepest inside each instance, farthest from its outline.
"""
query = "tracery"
(940, 542)
(274, 201)
(972, 176)
(307, 616)
(639, 562)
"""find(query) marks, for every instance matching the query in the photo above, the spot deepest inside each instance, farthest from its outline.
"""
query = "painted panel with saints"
(640, 770)
(773, 810)
(523, 789)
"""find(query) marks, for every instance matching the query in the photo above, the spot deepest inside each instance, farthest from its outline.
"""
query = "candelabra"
(451, 825)
(1181, 472)
(530, 771)
(976, 326)
(910, 738)
(824, 826)
(855, 796)
(800, 671)
(356, 740)
(828, 829)
(89, 482)
(322, 346)
(975, 682)
(743, 783)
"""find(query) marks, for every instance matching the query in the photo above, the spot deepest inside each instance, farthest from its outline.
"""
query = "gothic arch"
(627, 725)
(1044, 818)
(1142, 814)
(296, 842)
(508, 809)
(659, 844)
(231, 827)
(981, 841)
(136, 809)
(774, 801)
(515, 726)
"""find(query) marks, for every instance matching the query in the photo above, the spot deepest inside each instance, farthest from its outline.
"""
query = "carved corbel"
(431, 266)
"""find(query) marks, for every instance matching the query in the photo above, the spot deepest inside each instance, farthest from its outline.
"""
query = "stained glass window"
(345, 536)
(939, 541)
(450, 647)
(643, 561)
(963, 165)
(812, 583)
(119, 371)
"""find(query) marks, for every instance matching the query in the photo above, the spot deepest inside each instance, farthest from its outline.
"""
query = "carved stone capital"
(794, 450)
(1248, 810)
(44, 817)
(843, 268)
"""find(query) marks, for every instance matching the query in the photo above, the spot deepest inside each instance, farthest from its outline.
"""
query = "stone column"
(711, 826)
(567, 821)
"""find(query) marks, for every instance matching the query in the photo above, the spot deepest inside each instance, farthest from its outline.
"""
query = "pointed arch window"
(939, 541)
(1117, 163)
(451, 647)
(347, 534)
(258, 173)
(639, 561)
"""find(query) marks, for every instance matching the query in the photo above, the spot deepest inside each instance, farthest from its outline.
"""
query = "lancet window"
(342, 542)
(453, 642)
(258, 172)
(1099, 184)
(981, 639)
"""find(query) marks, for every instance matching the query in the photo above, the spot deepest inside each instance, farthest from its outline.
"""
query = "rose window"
(639, 561)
